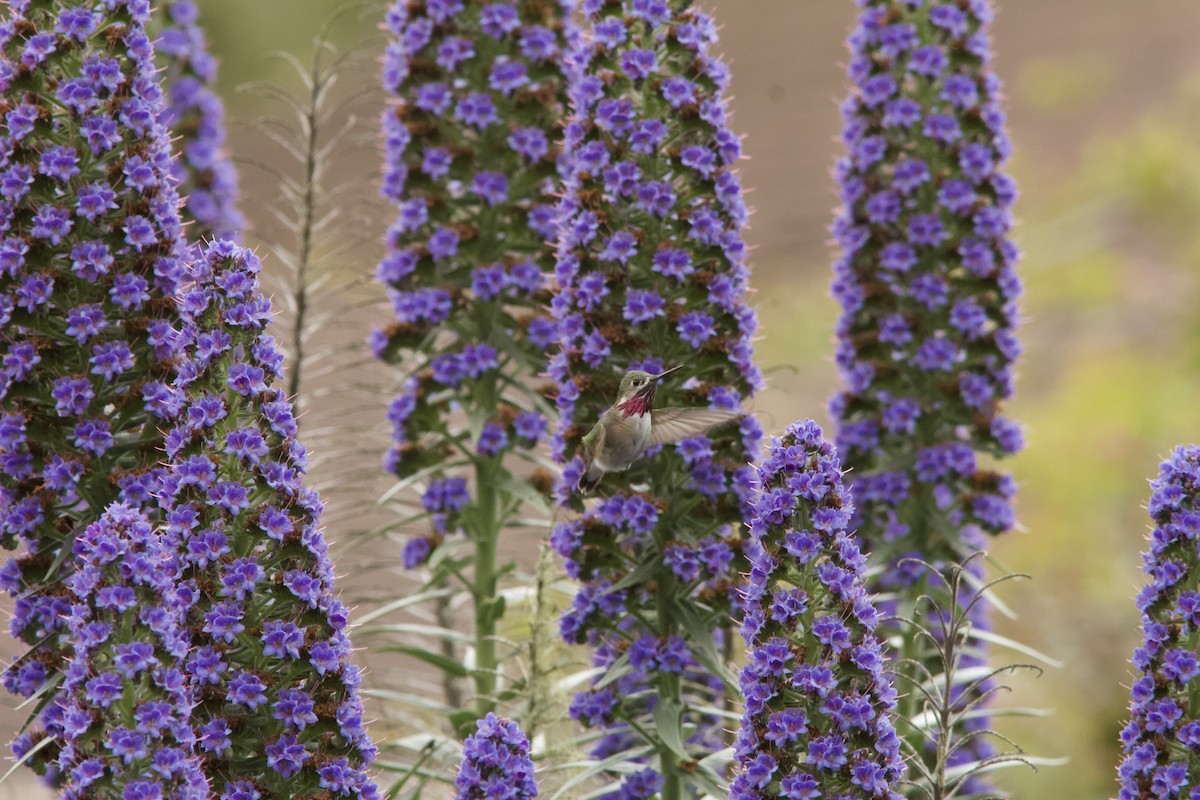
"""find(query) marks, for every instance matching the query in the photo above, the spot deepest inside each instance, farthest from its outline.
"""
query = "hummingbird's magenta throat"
(639, 404)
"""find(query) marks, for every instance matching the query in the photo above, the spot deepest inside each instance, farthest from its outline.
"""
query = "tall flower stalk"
(819, 702)
(928, 290)
(471, 164)
(651, 269)
(195, 115)
(1161, 741)
(218, 643)
(90, 246)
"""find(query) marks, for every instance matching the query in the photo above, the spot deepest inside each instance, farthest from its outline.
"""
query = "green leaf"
(704, 649)
(638, 577)
(624, 761)
(21, 761)
(402, 603)
(414, 700)
(492, 609)
(463, 721)
(521, 489)
(433, 631)
(619, 669)
(42, 697)
(444, 663)
(668, 721)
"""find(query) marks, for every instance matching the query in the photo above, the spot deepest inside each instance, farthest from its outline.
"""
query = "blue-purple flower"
(927, 283)
(818, 703)
(269, 650)
(125, 709)
(195, 114)
(471, 164)
(496, 763)
(1161, 741)
(926, 279)
(651, 269)
(90, 247)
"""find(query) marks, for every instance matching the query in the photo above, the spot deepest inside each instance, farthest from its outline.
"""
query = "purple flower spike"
(651, 265)
(90, 255)
(817, 717)
(270, 654)
(496, 762)
(195, 114)
(1163, 734)
(152, 725)
(471, 165)
(929, 291)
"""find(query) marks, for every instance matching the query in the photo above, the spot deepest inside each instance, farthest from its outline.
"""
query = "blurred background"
(1104, 109)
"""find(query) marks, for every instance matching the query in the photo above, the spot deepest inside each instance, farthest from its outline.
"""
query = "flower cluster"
(496, 763)
(195, 114)
(926, 279)
(929, 293)
(651, 269)
(90, 247)
(269, 653)
(1162, 739)
(817, 721)
(472, 167)
(125, 710)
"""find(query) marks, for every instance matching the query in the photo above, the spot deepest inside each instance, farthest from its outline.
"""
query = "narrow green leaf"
(463, 721)
(619, 669)
(433, 631)
(415, 700)
(704, 649)
(618, 762)
(21, 761)
(444, 663)
(668, 719)
(402, 603)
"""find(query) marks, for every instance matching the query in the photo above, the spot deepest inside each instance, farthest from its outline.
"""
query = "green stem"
(486, 534)
(669, 686)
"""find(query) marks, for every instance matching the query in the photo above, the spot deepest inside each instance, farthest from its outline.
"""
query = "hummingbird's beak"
(662, 375)
(652, 384)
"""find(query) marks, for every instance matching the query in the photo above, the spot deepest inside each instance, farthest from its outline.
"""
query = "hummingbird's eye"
(637, 381)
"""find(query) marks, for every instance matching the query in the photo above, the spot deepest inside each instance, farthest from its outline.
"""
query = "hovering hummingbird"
(632, 424)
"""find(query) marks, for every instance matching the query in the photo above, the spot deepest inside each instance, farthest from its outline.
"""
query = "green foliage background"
(1104, 102)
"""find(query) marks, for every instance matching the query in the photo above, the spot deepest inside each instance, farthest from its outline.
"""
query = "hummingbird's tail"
(590, 478)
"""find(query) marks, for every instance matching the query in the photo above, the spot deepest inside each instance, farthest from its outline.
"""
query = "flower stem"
(669, 686)
(485, 534)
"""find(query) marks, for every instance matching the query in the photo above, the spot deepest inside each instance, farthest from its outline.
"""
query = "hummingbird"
(632, 424)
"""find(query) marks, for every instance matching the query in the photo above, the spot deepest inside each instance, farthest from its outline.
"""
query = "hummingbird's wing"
(672, 424)
(594, 439)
